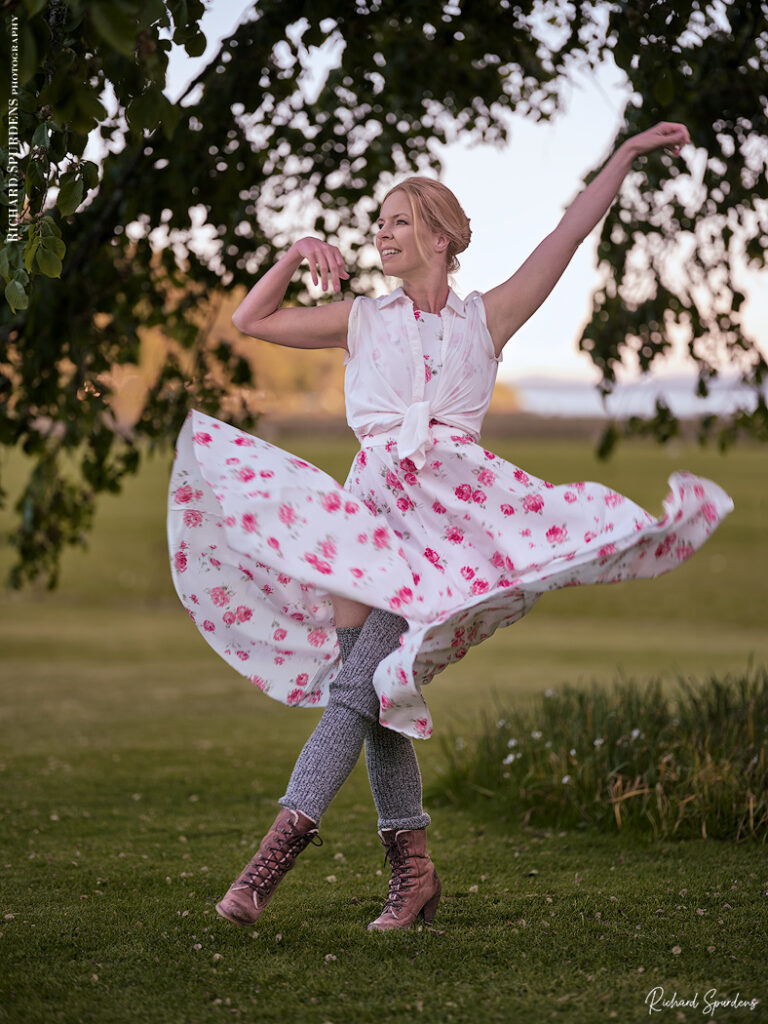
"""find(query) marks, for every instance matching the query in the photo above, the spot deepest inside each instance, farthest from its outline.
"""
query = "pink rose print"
(405, 594)
(351, 508)
(243, 613)
(219, 596)
(381, 537)
(666, 545)
(411, 479)
(361, 459)
(248, 522)
(607, 549)
(463, 492)
(245, 442)
(478, 497)
(302, 679)
(434, 558)
(279, 634)
(362, 538)
(180, 561)
(709, 512)
(294, 697)
(556, 534)
(282, 579)
(274, 543)
(246, 572)
(234, 461)
(698, 491)
(243, 655)
(612, 499)
(401, 677)
(486, 477)
(454, 535)
(214, 562)
(208, 626)
(357, 573)
(589, 536)
(533, 503)
(467, 573)
(317, 637)
(192, 518)
(479, 586)
(328, 549)
(404, 503)
(507, 510)
(570, 497)
(393, 482)
(408, 465)
(394, 603)
(386, 703)
(437, 507)
(497, 559)
(422, 726)
(202, 438)
(522, 478)
(183, 494)
(683, 551)
(331, 502)
(319, 564)
(229, 618)
(245, 474)
(286, 514)
(266, 474)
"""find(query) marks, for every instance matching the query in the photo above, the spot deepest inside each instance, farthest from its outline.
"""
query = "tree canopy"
(195, 196)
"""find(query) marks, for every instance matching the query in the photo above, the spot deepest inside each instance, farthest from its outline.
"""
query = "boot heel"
(429, 909)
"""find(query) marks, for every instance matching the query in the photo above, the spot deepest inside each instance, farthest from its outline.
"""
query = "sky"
(514, 197)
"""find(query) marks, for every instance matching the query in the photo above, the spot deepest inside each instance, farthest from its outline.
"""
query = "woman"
(432, 544)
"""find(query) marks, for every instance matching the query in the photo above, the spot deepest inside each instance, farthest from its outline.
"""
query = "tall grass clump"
(691, 764)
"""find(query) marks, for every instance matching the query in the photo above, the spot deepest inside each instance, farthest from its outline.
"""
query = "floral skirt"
(260, 540)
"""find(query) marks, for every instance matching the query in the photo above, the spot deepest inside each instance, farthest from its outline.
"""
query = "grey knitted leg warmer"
(393, 769)
(332, 750)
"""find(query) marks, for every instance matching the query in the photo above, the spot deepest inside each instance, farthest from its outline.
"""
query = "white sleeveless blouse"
(385, 386)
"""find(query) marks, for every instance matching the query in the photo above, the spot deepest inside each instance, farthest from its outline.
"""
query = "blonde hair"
(436, 208)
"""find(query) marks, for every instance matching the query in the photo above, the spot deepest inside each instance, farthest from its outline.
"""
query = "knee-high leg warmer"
(393, 769)
(332, 750)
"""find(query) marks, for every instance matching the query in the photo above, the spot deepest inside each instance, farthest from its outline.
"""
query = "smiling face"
(401, 251)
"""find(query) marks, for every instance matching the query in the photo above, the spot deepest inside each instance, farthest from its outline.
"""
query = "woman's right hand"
(324, 261)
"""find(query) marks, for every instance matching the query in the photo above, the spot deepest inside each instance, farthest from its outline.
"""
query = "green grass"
(137, 771)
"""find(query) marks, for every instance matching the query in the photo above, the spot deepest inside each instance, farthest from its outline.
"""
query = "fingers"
(325, 263)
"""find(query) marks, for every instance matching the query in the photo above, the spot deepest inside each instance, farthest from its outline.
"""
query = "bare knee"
(349, 613)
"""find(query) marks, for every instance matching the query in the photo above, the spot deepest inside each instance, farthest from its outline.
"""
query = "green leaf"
(90, 173)
(16, 296)
(48, 263)
(69, 198)
(33, 7)
(53, 244)
(195, 45)
(41, 135)
(29, 253)
(115, 26)
(5, 265)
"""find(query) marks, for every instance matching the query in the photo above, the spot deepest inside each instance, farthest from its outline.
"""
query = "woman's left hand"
(665, 135)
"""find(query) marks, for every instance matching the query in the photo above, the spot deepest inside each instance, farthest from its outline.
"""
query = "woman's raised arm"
(509, 305)
(325, 326)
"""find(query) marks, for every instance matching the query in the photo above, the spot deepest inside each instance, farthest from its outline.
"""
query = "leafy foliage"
(199, 195)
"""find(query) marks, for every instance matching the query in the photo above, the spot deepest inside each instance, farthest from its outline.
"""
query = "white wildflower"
(549, 693)
(598, 742)
(565, 779)
(635, 733)
(535, 735)
(501, 723)
(511, 743)
(572, 752)
(509, 759)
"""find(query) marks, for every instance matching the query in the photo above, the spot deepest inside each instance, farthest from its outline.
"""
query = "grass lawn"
(137, 771)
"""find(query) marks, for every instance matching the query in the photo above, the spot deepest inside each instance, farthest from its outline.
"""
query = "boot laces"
(402, 879)
(267, 868)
